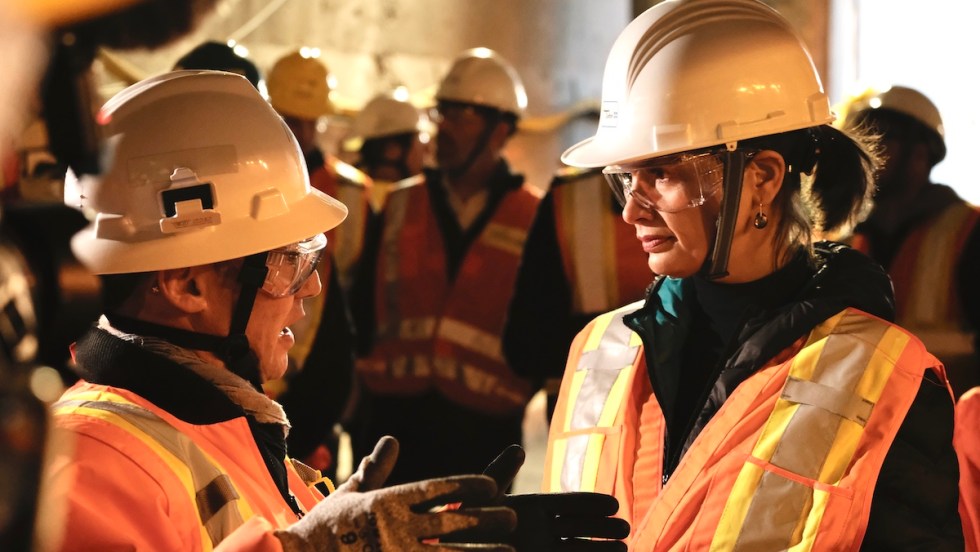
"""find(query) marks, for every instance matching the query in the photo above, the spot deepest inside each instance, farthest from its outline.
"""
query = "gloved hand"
(361, 516)
(559, 522)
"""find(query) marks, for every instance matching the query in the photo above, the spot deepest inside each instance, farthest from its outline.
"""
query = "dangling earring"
(761, 220)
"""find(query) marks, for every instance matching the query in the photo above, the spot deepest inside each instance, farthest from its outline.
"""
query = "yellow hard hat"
(299, 86)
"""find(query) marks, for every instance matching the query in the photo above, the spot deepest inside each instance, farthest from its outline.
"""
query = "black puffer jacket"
(915, 501)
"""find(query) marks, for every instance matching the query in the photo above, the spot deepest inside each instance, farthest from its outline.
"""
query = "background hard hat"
(688, 74)
(906, 101)
(226, 139)
(300, 86)
(384, 116)
(480, 76)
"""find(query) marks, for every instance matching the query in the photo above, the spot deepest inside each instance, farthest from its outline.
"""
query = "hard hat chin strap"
(233, 349)
(717, 266)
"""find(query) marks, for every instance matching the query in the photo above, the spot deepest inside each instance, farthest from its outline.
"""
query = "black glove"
(359, 516)
(559, 522)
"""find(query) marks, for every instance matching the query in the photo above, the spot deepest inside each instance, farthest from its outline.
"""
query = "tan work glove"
(361, 516)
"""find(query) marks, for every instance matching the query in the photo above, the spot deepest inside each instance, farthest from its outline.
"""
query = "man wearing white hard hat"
(206, 233)
(434, 293)
(393, 140)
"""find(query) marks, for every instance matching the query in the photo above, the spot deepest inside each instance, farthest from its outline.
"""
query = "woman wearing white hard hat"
(759, 398)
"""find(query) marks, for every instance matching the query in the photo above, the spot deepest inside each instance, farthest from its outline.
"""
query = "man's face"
(460, 129)
(268, 328)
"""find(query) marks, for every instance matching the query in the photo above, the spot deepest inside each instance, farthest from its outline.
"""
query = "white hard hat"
(480, 76)
(386, 115)
(908, 102)
(299, 86)
(201, 170)
(689, 74)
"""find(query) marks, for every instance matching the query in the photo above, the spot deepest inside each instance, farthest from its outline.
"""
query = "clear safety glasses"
(291, 266)
(668, 184)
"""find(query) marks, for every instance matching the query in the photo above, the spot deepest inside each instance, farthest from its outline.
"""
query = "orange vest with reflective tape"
(789, 461)
(352, 187)
(924, 274)
(601, 256)
(432, 332)
(210, 478)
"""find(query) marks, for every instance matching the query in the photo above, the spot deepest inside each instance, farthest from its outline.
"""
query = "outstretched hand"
(559, 522)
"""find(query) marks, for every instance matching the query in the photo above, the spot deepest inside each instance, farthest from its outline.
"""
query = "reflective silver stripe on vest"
(214, 491)
(603, 366)
(395, 213)
(829, 397)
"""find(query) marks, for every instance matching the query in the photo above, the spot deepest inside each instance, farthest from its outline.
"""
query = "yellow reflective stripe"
(207, 482)
(578, 377)
(593, 451)
(733, 516)
(177, 467)
(812, 525)
(350, 235)
(777, 506)
(557, 460)
(935, 263)
(505, 238)
(470, 337)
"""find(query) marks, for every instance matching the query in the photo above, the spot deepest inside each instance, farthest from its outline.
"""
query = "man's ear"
(767, 169)
(181, 287)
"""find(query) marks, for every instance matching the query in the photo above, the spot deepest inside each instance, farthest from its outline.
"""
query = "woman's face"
(678, 242)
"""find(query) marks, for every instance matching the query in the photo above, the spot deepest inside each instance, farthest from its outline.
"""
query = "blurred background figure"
(391, 137)
(219, 56)
(437, 285)
(922, 232)
(581, 260)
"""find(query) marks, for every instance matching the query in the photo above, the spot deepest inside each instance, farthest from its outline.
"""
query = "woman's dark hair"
(828, 184)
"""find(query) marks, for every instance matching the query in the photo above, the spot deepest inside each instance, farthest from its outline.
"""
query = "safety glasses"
(668, 184)
(291, 266)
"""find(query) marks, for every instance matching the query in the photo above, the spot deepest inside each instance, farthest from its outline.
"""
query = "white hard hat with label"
(689, 74)
(480, 76)
(200, 170)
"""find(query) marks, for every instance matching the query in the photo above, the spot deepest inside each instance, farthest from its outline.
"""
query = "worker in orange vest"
(922, 232)
(436, 290)
(206, 234)
(759, 398)
(580, 260)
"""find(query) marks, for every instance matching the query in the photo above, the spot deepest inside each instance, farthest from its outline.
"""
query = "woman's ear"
(767, 169)
(181, 287)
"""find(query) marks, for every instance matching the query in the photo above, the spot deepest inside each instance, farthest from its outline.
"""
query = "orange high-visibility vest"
(602, 258)
(353, 188)
(789, 462)
(966, 441)
(182, 486)
(432, 332)
(927, 301)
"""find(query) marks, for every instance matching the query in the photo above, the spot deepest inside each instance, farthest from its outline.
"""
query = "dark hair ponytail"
(828, 184)
(842, 185)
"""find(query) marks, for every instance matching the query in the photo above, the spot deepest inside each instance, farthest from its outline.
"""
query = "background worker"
(922, 232)
(168, 442)
(758, 399)
(436, 289)
(580, 261)
(393, 145)
(316, 390)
